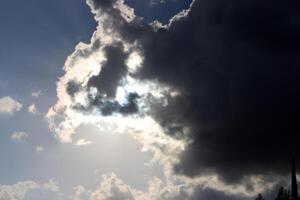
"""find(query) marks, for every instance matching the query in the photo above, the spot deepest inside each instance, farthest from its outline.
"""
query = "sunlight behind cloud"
(102, 87)
(134, 62)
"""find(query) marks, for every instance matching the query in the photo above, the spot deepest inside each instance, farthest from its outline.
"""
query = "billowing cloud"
(111, 187)
(78, 193)
(17, 191)
(52, 185)
(9, 105)
(30, 190)
(19, 136)
(214, 94)
(238, 83)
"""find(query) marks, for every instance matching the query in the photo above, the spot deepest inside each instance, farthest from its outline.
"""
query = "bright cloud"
(9, 105)
(83, 142)
(32, 109)
(52, 185)
(29, 190)
(78, 192)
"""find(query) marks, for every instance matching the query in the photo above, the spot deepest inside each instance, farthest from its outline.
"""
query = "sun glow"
(134, 62)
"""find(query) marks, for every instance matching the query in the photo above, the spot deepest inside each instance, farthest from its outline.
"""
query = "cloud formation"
(32, 109)
(239, 85)
(219, 84)
(9, 105)
(30, 190)
(111, 187)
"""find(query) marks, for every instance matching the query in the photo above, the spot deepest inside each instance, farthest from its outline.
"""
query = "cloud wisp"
(36, 94)
(39, 148)
(19, 136)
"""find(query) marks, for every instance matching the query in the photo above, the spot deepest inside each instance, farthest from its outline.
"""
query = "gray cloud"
(112, 71)
(235, 66)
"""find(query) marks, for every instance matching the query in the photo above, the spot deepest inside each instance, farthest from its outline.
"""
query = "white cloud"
(78, 192)
(83, 142)
(113, 188)
(9, 105)
(19, 136)
(52, 185)
(28, 190)
(32, 109)
(39, 148)
(37, 93)
(17, 191)
(174, 188)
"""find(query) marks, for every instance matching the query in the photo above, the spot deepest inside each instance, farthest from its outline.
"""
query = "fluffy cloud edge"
(32, 109)
(8, 105)
(21, 190)
(156, 141)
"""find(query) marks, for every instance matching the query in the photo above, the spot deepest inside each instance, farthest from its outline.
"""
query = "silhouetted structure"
(259, 197)
(294, 182)
(284, 194)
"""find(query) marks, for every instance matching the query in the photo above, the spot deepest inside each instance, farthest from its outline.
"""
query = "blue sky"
(35, 41)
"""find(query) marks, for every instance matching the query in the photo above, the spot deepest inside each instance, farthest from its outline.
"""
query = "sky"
(148, 99)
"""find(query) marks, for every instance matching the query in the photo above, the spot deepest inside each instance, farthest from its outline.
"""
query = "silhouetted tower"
(294, 182)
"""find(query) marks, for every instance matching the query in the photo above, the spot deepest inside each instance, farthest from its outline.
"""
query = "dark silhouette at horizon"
(294, 182)
(284, 194)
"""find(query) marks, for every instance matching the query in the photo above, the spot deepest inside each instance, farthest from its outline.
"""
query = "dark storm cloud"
(112, 71)
(236, 65)
(239, 77)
